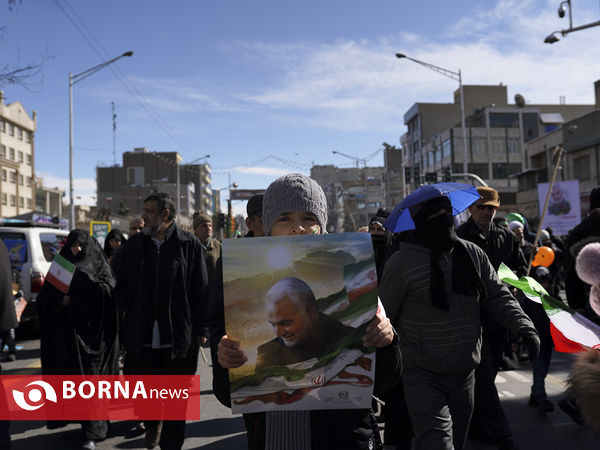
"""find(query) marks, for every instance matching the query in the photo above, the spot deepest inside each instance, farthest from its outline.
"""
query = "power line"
(120, 75)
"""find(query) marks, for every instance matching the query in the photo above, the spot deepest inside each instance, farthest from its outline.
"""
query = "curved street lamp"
(456, 76)
(74, 79)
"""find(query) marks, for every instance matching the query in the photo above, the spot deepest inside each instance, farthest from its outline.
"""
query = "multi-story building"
(353, 194)
(123, 188)
(395, 186)
(48, 200)
(17, 187)
(580, 139)
(496, 136)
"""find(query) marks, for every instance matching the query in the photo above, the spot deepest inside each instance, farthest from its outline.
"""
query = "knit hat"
(200, 217)
(293, 192)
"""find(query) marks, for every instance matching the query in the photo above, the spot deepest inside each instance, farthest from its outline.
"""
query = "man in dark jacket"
(501, 246)
(161, 295)
(433, 289)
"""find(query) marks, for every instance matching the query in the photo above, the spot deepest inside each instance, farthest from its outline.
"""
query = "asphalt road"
(218, 429)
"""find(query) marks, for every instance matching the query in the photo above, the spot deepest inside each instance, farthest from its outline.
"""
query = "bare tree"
(28, 75)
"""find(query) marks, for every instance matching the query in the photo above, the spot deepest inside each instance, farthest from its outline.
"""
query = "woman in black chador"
(79, 329)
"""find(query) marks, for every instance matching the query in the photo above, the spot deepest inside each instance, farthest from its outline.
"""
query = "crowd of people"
(154, 295)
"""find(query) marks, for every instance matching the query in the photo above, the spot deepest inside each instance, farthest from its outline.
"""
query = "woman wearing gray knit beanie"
(295, 204)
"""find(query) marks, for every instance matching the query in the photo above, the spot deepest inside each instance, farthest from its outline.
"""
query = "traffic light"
(221, 221)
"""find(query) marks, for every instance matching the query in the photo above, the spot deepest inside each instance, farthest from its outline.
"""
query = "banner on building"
(564, 211)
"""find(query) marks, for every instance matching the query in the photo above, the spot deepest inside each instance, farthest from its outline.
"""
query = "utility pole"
(114, 119)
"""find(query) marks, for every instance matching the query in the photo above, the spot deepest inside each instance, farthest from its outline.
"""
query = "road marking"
(517, 376)
(557, 381)
(506, 394)
(500, 379)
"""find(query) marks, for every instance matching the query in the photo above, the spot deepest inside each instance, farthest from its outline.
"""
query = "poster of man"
(563, 205)
(299, 306)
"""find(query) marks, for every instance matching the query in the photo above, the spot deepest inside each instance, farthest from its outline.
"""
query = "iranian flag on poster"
(571, 332)
(60, 273)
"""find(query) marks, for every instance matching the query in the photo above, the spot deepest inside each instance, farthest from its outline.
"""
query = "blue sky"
(244, 81)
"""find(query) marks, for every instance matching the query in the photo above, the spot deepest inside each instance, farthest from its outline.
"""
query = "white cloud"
(359, 85)
(84, 189)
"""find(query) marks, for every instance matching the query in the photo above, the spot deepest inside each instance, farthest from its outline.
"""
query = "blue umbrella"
(461, 197)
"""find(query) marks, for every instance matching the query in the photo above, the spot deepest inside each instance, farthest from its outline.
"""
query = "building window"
(13, 200)
(504, 170)
(3, 174)
(530, 126)
(11, 152)
(20, 154)
(4, 198)
(20, 180)
(20, 133)
(28, 159)
(479, 145)
(13, 177)
(3, 151)
(28, 203)
(481, 169)
(28, 136)
(581, 168)
(447, 149)
(21, 202)
(504, 120)
(3, 127)
(11, 130)
(28, 181)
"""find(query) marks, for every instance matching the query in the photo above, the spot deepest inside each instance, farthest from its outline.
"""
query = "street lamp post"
(74, 79)
(456, 76)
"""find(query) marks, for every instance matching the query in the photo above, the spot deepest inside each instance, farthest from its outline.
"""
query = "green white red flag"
(571, 332)
(60, 273)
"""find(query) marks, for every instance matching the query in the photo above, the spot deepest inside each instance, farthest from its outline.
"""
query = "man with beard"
(301, 331)
(501, 246)
(433, 288)
(161, 294)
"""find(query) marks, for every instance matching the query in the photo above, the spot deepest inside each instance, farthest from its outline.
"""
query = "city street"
(219, 430)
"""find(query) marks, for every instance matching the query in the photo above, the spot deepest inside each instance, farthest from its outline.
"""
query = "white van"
(31, 248)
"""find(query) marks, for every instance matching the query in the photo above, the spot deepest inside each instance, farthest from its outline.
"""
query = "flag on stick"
(60, 273)
(571, 332)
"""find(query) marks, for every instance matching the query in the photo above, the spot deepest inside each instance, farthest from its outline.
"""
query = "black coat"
(330, 429)
(8, 318)
(501, 246)
(167, 284)
(80, 337)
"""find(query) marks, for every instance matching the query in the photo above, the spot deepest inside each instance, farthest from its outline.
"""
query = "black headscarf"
(91, 259)
(117, 234)
(438, 234)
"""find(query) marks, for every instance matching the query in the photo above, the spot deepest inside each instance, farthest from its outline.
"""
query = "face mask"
(437, 232)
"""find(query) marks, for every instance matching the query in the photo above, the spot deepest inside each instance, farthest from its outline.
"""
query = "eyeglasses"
(488, 207)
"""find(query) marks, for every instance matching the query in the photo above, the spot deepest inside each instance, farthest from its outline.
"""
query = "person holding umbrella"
(433, 289)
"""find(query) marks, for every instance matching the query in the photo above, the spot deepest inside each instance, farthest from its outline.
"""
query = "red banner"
(100, 397)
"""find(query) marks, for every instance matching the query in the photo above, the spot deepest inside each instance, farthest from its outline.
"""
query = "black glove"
(531, 341)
